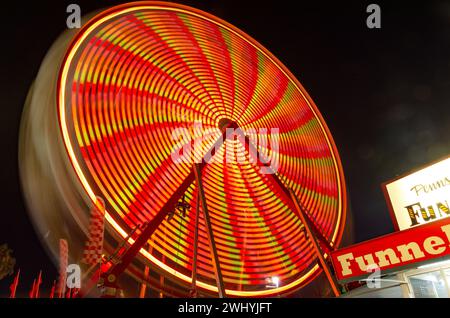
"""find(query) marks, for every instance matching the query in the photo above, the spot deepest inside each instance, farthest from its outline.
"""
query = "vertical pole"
(143, 286)
(161, 282)
(143, 289)
(194, 265)
(212, 244)
(161, 277)
(333, 283)
(244, 244)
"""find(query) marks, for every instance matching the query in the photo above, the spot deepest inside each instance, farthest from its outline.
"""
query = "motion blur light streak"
(135, 73)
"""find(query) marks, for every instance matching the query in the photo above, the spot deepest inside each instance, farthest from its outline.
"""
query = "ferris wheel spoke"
(312, 231)
(127, 257)
(209, 231)
(273, 177)
(331, 279)
(194, 260)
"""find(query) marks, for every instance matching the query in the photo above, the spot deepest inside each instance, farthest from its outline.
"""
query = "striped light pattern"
(93, 250)
(135, 73)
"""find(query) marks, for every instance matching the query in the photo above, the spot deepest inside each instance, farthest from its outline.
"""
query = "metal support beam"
(161, 281)
(143, 285)
(276, 181)
(110, 277)
(194, 265)
(212, 244)
(333, 283)
(312, 231)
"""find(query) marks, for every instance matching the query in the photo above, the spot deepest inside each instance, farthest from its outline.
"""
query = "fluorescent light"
(276, 281)
(442, 263)
(273, 282)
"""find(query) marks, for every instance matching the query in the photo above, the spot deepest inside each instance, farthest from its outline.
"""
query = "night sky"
(384, 93)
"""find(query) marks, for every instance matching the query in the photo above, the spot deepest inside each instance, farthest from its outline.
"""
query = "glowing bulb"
(275, 281)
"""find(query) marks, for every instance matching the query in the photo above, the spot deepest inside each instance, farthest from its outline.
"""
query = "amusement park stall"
(414, 261)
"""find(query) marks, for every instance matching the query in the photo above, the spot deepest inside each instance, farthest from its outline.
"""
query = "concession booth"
(413, 261)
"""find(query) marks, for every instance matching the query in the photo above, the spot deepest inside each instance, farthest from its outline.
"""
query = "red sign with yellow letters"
(394, 251)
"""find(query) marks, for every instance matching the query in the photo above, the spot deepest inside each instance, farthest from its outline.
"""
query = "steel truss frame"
(108, 278)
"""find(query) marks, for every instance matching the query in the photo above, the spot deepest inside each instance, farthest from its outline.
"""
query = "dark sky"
(385, 94)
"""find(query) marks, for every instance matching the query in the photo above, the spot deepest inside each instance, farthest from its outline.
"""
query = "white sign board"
(420, 197)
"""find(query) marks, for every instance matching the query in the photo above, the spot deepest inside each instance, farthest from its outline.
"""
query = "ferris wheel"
(241, 213)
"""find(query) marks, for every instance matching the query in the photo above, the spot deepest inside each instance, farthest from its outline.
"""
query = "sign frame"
(401, 176)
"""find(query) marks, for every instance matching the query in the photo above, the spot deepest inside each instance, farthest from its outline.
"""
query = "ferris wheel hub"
(227, 123)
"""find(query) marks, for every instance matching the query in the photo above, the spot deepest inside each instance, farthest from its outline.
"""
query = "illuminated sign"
(422, 244)
(420, 197)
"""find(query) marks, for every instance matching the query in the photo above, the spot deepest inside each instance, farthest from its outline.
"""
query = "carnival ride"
(259, 224)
